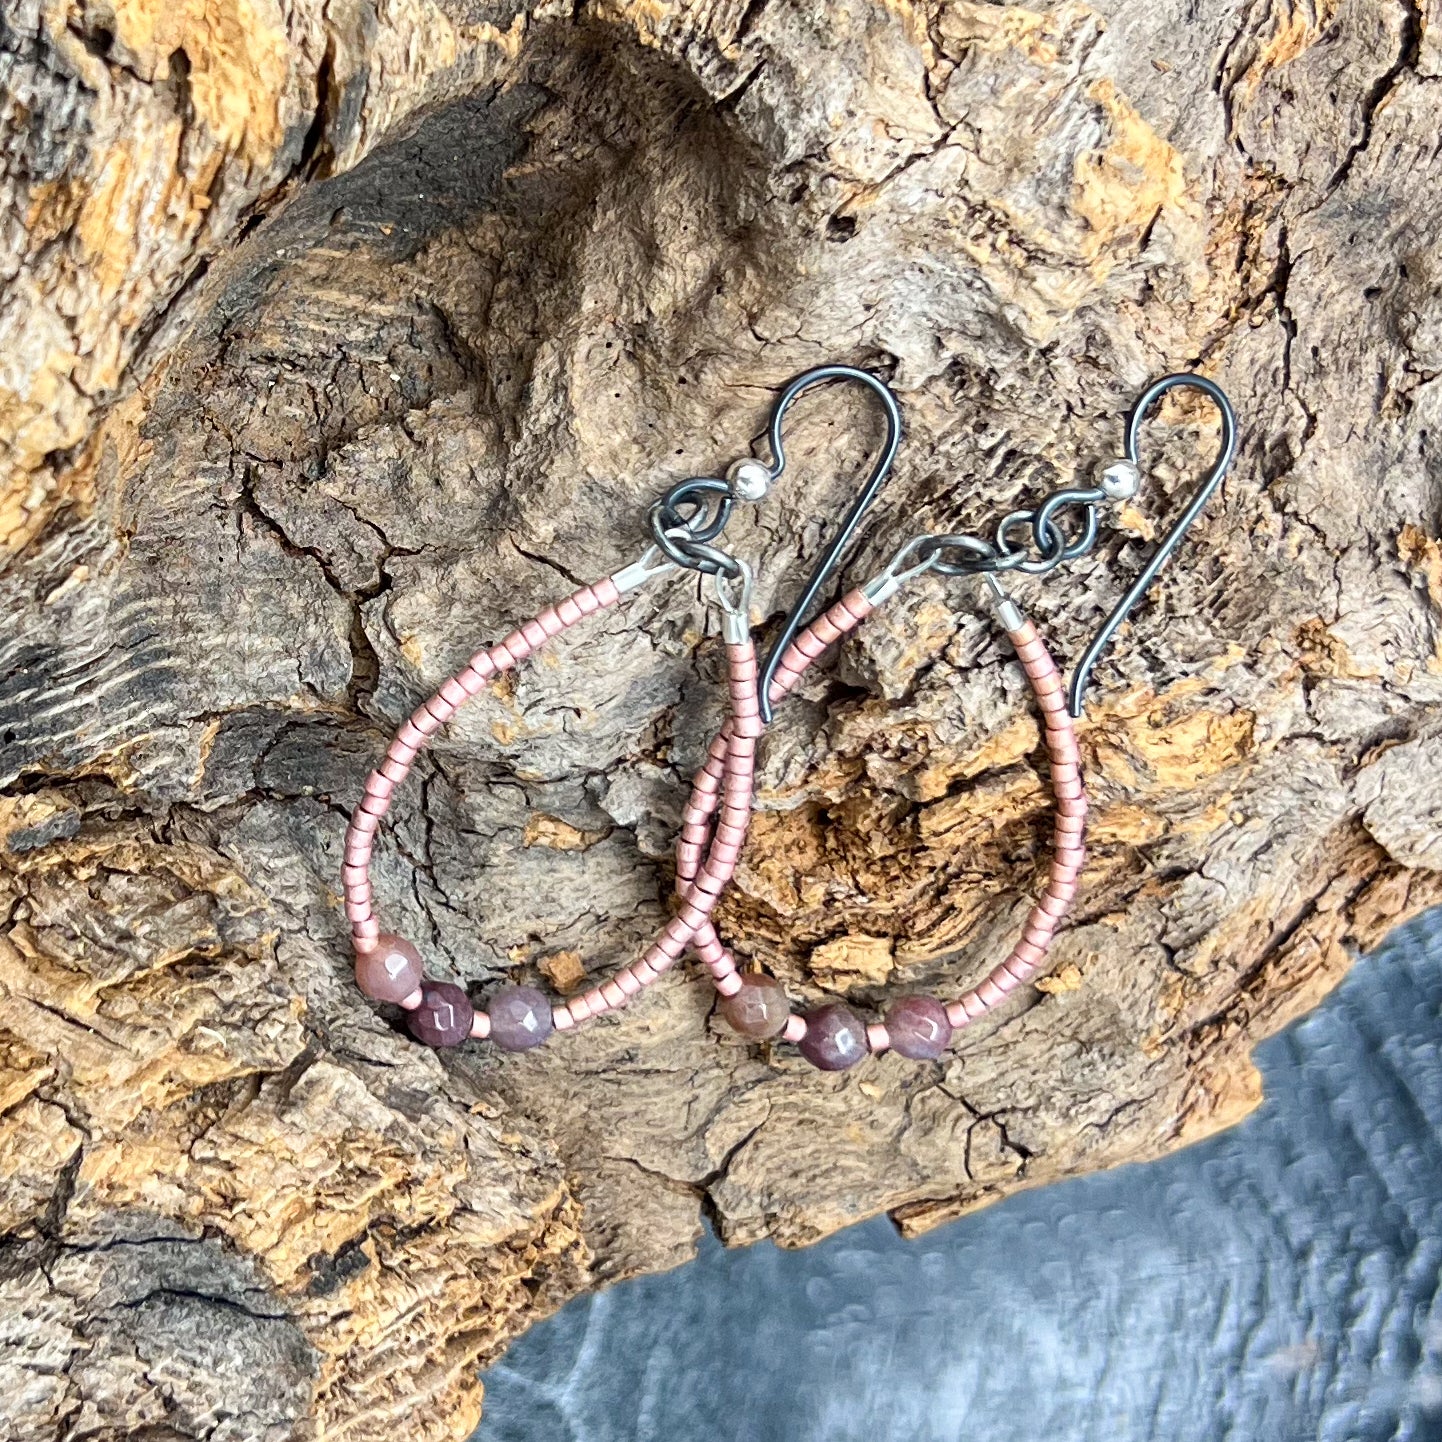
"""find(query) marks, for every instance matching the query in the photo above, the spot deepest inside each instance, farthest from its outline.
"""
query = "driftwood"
(335, 337)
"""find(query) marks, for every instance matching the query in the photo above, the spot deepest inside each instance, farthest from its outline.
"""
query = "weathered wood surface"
(335, 337)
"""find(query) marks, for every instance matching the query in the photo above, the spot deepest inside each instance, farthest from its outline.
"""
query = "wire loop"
(691, 515)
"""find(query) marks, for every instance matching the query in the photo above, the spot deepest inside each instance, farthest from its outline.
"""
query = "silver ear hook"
(831, 556)
(1123, 608)
(690, 517)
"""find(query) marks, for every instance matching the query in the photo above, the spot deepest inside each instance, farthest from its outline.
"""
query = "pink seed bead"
(989, 993)
(707, 946)
(390, 970)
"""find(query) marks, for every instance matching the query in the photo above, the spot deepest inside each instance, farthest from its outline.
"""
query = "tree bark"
(337, 337)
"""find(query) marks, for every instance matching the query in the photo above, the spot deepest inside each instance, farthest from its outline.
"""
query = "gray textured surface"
(1279, 1282)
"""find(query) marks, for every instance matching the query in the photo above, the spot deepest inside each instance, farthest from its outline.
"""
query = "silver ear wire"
(831, 557)
(693, 513)
(1213, 479)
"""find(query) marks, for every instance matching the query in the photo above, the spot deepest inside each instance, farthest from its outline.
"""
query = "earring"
(686, 524)
(832, 1037)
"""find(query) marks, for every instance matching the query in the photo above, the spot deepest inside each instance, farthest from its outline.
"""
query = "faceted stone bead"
(520, 1017)
(835, 1038)
(390, 971)
(444, 1016)
(759, 1009)
(918, 1028)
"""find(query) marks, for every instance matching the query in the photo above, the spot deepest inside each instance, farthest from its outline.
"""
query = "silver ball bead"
(749, 479)
(1121, 480)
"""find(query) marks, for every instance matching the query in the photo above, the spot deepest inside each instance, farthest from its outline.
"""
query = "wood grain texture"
(336, 338)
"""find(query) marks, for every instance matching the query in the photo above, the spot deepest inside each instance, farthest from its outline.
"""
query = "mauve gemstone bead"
(390, 971)
(444, 1016)
(918, 1028)
(759, 1009)
(520, 1017)
(835, 1038)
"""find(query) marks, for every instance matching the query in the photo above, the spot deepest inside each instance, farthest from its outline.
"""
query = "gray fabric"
(1279, 1282)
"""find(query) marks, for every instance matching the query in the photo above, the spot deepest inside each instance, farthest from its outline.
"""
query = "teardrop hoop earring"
(832, 1037)
(686, 524)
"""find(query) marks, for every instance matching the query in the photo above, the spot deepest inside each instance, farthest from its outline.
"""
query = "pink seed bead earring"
(686, 524)
(832, 1037)
(389, 968)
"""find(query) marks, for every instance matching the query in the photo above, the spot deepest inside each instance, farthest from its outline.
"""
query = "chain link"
(1045, 547)
(691, 515)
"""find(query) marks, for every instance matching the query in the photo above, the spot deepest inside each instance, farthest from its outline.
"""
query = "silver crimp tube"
(733, 595)
(1007, 611)
(881, 588)
(651, 564)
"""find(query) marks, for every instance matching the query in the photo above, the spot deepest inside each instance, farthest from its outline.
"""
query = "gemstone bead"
(918, 1028)
(835, 1038)
(520, 1017)
(759, 1009)
(444, 1016)
(390, 971)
